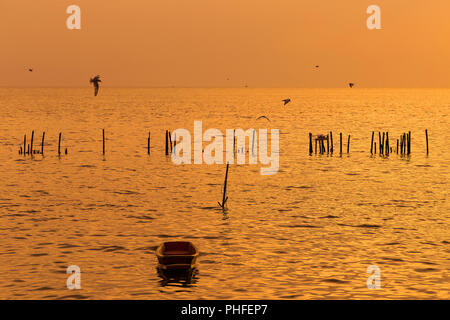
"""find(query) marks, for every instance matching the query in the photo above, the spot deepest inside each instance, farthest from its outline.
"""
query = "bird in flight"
(286, 101)
(263, 117)
(351, 84)
(95, 81)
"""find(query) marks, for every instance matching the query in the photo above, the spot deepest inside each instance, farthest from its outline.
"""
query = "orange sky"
(201, 43)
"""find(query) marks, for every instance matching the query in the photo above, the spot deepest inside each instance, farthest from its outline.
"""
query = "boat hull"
(177, 255)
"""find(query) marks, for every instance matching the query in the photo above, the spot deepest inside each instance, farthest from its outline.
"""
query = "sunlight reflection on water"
(310, 231)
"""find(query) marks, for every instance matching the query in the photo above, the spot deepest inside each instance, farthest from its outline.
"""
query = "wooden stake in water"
(401, 144)
(59, 145)
(31, 143)
(426, 135)
(148, 143)
(310, 143)
(348, 144)
(371, 143)
(331, 142)
(340, 134)
(405, 144)
(42, 144)
(328, 144)
(103, 132)
(224, 197)
(409, 142)
(24, 144)
(234, 140)
(167, 142)
(387, 143)
(170, 141)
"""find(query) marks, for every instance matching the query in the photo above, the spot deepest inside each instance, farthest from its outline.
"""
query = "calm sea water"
(308, 232)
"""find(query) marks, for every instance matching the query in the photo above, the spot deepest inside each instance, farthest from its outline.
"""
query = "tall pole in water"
(31, 143)
(371, 144)
(59, 144)
(225, 198)
(42, 144)
(167, 142)
(331, 141)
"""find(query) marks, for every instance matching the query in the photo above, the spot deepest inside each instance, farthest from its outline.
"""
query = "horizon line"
(212, 87)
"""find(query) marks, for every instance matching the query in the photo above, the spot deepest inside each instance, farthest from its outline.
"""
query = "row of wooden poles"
(403, 144)
(28, 149)
(320, 142)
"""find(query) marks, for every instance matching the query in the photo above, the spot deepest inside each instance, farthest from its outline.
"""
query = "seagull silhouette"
(351, 85)
(286, 101)
(95, 81)
(263, 117)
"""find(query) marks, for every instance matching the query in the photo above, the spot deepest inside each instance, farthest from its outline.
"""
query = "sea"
(323, 226)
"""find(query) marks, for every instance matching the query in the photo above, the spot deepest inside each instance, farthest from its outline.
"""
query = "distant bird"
(286, 101)
(351, 85)
(95, 81)
(30, 69)
(263, 117)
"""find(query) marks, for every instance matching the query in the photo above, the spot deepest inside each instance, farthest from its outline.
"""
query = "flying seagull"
(95, 81)
(351, 84)
(286, 101)
(263, 117)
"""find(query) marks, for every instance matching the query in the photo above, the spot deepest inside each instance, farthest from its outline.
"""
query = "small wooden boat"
(177, 255)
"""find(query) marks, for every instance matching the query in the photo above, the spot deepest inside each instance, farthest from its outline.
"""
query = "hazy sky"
(262, 43)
